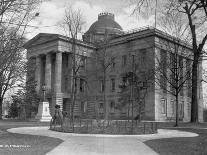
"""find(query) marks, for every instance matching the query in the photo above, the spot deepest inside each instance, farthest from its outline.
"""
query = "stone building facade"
(53, 57)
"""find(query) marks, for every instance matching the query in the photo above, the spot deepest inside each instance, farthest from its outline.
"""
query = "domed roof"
(105, 21)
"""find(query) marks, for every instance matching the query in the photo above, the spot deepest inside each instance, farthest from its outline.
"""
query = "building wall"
(167, 98)
(145, 50)
(128, 49)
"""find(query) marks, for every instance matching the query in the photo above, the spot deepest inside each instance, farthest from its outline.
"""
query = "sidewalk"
(89, 144)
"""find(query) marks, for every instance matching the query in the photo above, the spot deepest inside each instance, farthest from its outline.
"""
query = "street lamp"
(44, 88)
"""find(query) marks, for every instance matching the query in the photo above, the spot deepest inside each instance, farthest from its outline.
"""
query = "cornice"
(54, 37)
(144, 33)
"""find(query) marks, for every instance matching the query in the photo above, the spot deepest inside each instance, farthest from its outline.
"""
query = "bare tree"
(173, 68)
(12, 68)
(173, 71)
(195, 12)
(14, 18)
(72, 24)
(135, 85)
(105, 61)
(192, 9)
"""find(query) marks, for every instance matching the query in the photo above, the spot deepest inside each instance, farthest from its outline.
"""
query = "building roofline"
(146, 32)
(127, 36)
(56, 37)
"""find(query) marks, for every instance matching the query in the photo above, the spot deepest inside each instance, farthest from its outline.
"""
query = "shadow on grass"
(181, 146)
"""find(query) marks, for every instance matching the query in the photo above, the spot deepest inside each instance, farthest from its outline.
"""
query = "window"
(163, 72)
(189, 108)
(113, 62)
(181, 109)
(181, 74)
(102, 85)
(188, 70)
(172, 107)
(163, 106)
(66, 83)
(83, 62)
(172, 72)
(101, 107)
(124, 81)
(112, 106)
(124, 60)
(143, 53)
(84, 107)
(112, 85)
(82, 85)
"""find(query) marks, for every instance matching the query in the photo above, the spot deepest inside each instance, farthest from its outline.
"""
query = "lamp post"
(44, 88)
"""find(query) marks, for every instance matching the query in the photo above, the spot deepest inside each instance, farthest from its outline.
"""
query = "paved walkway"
(89, 144)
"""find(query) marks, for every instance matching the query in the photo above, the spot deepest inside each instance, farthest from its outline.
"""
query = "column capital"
(49, 54)
(58, 51)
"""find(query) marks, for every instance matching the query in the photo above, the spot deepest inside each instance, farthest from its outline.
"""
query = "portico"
(52, 54)
(51, 78)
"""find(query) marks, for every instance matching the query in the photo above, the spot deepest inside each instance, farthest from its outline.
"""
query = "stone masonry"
(53, 54)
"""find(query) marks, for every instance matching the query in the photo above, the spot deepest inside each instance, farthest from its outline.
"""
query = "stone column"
(58, 72)
(185, 95)
(200, 93)
(48, 71)
(58, 96)
(38, 72)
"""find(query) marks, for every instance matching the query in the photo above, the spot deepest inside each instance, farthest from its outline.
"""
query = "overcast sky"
(51, 13)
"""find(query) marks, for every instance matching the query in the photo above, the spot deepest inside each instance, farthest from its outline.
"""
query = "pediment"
(40, 39)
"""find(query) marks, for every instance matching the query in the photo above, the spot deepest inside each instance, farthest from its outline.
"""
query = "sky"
(52, 12)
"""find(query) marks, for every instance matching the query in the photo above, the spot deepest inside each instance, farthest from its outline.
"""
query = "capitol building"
(97, 86)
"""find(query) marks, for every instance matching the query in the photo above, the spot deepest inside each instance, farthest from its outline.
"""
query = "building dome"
(105, 23)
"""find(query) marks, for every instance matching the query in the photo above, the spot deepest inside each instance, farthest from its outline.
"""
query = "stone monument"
(43, 114)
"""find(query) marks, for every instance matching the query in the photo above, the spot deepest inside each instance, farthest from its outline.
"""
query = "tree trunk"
(73, 92)
(140, 110)
(194, 102)
(128, 109)
(106, 117)
(177, 114)
(1, 103)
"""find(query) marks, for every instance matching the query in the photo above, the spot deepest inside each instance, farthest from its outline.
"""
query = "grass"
(31, 145)
(39, 145)
(182, 146)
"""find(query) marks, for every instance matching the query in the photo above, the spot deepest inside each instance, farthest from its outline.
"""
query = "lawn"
(39, 145)
(182, 146)
(19, 144)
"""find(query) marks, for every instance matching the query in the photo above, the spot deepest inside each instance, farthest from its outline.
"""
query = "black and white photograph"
(103, 77)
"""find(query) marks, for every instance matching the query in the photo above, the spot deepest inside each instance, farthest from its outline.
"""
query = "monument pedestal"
(43, 114)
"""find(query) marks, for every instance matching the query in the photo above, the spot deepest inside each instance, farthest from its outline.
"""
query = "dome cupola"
(105, 24)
